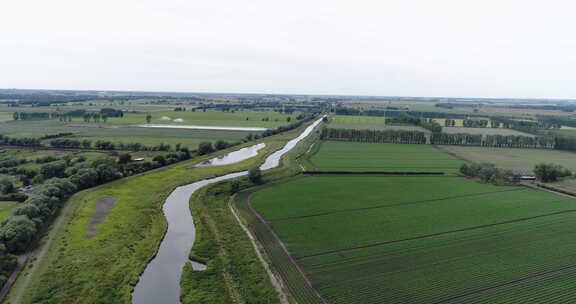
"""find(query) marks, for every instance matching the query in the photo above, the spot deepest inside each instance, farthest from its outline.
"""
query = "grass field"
(6, 209)
(442, 121)
(104, 269)
(123, 130)
(485, 131)
(210, 118)
(382, 239)
(147, 136)
(367, 123)
(352, 156)
(520, 160)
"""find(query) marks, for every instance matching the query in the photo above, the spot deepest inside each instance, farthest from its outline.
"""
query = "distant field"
(565, 131)
(367, 123)
(355, 120)
(522, 160)
(442, 121)
(5, 116)
(210, 118)
(147, 136)
(6, 209)
(354, 156)
(485, 131)
(382, 239)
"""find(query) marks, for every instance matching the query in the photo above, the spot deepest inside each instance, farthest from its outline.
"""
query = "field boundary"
(284, 248)
(276, 281)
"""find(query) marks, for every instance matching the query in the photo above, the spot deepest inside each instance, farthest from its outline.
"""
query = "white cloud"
(506, 48)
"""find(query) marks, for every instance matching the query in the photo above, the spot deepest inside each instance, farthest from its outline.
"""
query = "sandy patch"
(103, 207)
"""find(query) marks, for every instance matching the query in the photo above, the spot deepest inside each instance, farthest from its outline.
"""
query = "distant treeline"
(65, 116)
(375, 136)
(286, 108)
(47, 99)
(394, 113)
(406, 118)
(416, 137)
(500, 141)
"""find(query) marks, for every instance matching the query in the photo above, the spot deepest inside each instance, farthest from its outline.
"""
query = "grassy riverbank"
(234, 274)
(104, 269)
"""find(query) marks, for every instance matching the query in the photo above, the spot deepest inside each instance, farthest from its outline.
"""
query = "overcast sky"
(500, 48)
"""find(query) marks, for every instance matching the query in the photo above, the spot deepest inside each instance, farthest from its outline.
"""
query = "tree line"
(502, 141)
(375, 136)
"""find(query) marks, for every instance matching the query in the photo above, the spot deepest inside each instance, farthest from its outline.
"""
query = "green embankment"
(105, 268)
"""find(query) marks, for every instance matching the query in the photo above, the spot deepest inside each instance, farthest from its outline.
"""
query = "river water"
(232, 157)
(160, 282)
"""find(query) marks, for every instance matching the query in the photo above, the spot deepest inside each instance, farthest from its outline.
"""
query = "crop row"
(433, 270)
(281, 263)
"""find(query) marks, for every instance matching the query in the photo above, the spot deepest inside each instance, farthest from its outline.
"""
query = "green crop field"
(353, 156)
(520, 160)
(384, 239)
(367, 123)
(484, 131)
(6, 209)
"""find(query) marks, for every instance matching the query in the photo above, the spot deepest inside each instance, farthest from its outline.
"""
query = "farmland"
(350, 156)
(368, 123)
(246, 118)
(124, 130)
(520, 160)
(411, 239)
(380, 222)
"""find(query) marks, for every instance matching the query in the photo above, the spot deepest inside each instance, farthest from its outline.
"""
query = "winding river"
(160, 282)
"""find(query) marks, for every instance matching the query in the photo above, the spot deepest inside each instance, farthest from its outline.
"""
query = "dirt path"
(22, 259)
(285, 249)
(102, 208)
(276, 282)
(532, 186)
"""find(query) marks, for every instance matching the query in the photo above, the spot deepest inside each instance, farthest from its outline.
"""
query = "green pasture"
(519, 160)
(356, 120)
(442, 121)
(5, 116)
(244, 118)
(124, 134)
(367, 123)
(354, 156)
(6, 209)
